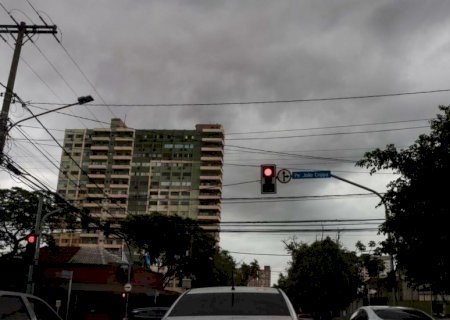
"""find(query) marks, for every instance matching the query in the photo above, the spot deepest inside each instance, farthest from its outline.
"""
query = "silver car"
(389, 313)
(222, 303)
(22, 306)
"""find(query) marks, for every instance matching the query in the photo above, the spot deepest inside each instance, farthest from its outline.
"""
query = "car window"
(13, 308)
(242, 303)
(42, 310)
(150, 313)
(401, 314)
(360, 315)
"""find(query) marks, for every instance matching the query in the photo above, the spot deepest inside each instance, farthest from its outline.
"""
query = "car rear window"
(402, 314)
(227, 303)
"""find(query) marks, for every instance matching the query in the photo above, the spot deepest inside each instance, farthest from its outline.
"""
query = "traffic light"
(268, 178)
(30, 248)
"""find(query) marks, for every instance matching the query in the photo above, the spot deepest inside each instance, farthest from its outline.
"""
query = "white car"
(389, 313)
(22, 306)
(222, 303)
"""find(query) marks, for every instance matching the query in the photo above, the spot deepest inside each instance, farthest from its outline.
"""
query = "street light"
(80, 101)
(3, 119)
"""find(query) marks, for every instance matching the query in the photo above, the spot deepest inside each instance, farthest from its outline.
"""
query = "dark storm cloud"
(150, 52)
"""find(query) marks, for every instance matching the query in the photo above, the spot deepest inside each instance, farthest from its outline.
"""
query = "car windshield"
(229, 303)
(401, 314)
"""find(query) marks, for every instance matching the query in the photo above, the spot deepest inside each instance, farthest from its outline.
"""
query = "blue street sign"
(310, 174)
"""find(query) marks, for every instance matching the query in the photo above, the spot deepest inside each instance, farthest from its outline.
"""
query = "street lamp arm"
(81, 100)
(360, 186)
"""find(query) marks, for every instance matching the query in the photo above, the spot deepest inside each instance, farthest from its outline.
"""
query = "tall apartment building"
(133, 171)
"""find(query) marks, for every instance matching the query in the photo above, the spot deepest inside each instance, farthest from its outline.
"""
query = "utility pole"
(21, 30)
(39, 223)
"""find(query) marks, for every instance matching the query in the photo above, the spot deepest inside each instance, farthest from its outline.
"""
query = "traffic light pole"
(38, 230)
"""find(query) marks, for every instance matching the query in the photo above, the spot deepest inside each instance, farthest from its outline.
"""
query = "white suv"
(232, 303)
(22, 306)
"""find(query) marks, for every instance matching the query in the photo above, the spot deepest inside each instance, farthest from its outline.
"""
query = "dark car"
(236, 303)
(148, 313)
(22, 306)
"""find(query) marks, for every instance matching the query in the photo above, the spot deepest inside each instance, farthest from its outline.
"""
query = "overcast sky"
(136, 55)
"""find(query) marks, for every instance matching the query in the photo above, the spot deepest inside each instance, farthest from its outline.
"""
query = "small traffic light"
(268, 178)
(31, 238)
(30, 248)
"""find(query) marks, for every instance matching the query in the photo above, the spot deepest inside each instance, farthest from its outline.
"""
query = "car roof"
(383, 307)
(235, 290)
(16, 293)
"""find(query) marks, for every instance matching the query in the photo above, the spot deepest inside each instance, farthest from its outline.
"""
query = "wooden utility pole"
(21, 30)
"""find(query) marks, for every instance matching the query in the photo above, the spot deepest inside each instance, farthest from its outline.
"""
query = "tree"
(18, 209)
(179, 247)
(322, 277)
(417, 204)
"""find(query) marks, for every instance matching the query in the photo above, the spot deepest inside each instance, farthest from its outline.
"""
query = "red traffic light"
(268, 172)
(31, 238)
(268, 178)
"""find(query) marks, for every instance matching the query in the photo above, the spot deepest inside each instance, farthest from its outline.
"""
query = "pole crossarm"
(27, 29)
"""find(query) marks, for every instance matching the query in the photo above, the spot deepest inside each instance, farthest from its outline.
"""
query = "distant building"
(263, 280)
(118, 170)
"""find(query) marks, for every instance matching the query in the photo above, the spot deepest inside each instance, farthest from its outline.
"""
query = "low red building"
(92, 281)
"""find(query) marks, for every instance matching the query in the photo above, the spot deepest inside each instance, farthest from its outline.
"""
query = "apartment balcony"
(209, 196)
(122, 157)
(120, 176)
(95, 193)
(127, 139)
(97, 166)
(216, 130)
(99, 157)
(91, 204)
(120, 130)
(217, 178)
(100, 138)
(118, 195)
(96, 176)
(212, 168)
(120, 167)
(208, 207)
(99, 148)
(213, 149)
(205, 218)
(123, 148)
(210, 186)
(95, 186)
(211, 158)
(214, 140)
(117, 185)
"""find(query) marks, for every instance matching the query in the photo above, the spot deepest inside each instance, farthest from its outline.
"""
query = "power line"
(73, 60)
(290, 154)
(330, 127)
(261, 254)
(327, 134)
(256, 102)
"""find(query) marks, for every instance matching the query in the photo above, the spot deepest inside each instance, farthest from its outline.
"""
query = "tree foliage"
(180, 247)
(18, 209)
(418, 236)
(322, 277)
